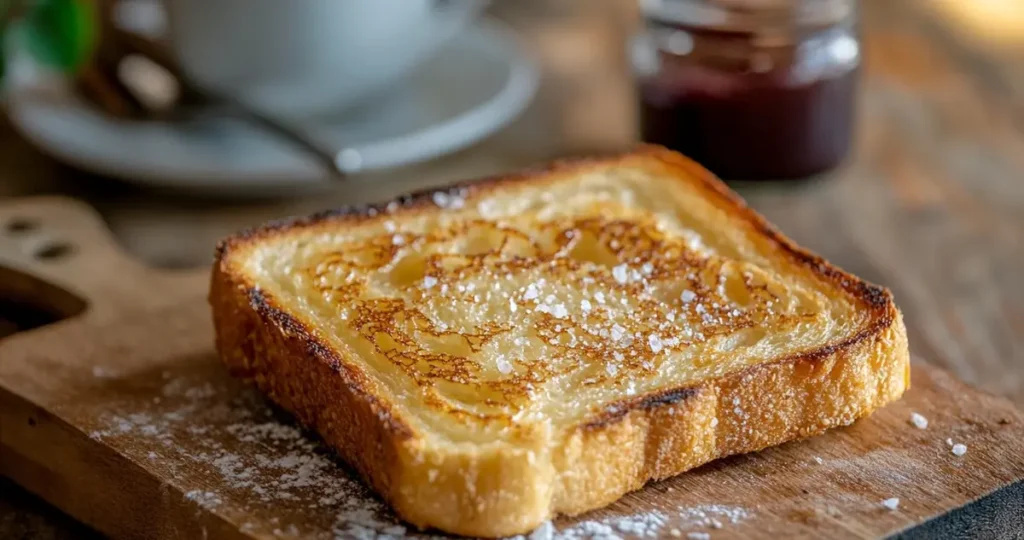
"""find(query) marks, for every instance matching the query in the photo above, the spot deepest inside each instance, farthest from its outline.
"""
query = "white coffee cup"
(304, 58)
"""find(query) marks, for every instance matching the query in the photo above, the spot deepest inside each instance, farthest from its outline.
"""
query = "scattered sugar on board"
(255, 461)
(708, 515)
(891, 504)
(959, 449)
(206, 499)
(546, 531)
(652, 524)
(919, 421)
(258, 463)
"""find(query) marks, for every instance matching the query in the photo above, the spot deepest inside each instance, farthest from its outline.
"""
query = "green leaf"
(3, 52)
(5, 7)
(60, 33)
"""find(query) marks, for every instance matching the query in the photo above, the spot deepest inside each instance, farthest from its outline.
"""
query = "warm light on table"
(1001, 21)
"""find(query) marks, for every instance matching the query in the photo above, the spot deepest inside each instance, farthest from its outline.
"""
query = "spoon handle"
(190, 92)
(296, 135)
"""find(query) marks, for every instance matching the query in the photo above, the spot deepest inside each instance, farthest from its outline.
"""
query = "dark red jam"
(781, 114)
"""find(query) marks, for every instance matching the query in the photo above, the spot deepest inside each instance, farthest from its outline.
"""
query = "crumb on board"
(919, 421)
(891, 503)
(101, 373)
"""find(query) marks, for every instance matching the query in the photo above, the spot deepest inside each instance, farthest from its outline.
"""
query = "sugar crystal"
(655, 342)
(620, 273)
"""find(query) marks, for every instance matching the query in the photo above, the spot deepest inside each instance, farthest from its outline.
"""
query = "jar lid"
(747, 15)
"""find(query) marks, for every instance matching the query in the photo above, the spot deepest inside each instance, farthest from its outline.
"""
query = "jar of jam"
(751, 89)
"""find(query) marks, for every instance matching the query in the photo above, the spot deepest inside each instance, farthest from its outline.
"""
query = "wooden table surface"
(930, 205)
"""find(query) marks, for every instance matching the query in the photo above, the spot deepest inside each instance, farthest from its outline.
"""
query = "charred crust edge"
(618, 410)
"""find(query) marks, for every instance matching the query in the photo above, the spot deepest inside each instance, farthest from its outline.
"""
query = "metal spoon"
(157, 90)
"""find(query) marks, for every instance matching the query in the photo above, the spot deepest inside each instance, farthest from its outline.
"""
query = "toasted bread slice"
(495, 354)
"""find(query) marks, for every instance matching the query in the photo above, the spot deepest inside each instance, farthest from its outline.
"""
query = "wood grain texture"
(24, 516)
(131, 424)
(931, 204)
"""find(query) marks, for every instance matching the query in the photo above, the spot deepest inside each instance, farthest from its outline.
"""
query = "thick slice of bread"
(492, 355)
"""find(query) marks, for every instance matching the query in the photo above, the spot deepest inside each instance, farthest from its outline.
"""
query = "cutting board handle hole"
(20, 225)
(52, 251)
(27, 302)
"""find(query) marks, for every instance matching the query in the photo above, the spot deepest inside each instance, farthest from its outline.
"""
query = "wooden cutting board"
(122, 416)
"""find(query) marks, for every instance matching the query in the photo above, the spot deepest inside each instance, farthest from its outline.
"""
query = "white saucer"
(474, 86)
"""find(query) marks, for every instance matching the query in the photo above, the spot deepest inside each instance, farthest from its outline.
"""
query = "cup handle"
(100, 82)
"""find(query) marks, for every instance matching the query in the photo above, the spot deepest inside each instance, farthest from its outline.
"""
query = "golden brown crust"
(761, 407)
(506, 493)
(267, 347)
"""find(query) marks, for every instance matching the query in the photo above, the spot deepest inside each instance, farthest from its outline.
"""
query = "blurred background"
(887, 136)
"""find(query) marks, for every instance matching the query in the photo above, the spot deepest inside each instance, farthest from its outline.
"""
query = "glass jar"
(751, 89)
